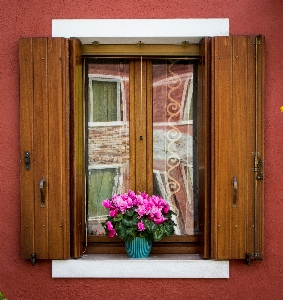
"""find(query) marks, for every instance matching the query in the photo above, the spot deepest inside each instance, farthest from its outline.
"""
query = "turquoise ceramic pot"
(138, 248)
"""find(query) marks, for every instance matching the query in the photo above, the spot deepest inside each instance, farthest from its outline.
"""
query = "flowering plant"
(138, 215)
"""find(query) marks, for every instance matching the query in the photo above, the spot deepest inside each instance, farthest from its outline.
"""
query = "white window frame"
(152, 31)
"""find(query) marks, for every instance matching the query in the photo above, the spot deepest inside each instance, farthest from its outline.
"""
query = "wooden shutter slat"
(49, 141)
(140, 127)
(204, 148)
(40, 145)
(259, 232)
(26, 129)
(221, 142)
(234, 114)
(149, 129)
(132, 125)
(58, 129)
(77, 155)
(242, 145)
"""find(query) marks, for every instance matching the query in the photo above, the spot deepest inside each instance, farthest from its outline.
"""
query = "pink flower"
(140, 199)
(113, 213)
(166, 208)
(106, 203)
(144, 195)
(159, 220)
(141, 226)
(112, 231)
(141, 210)
(109, 225)
(132, 195)
(128, 200)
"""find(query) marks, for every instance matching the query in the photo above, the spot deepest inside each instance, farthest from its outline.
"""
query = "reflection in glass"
(174, 151)
(107, 135)
(173, 139)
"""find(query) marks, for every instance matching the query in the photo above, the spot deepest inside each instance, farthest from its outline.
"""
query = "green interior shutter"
(101, 186)
(104, 101)
(237, 147)
(44, 148)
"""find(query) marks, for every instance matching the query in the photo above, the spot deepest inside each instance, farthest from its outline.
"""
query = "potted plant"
(138, 219)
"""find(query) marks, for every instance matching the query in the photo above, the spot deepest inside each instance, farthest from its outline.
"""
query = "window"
(229, 138)
(151, 148)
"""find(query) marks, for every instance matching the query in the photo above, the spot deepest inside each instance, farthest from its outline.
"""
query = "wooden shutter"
(44, 148)
(237, 147)
(204, 146)
(77, 173)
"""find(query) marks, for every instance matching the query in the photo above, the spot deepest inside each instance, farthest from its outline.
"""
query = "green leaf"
(130, 234)
(150, 225)
(129, 221)
(130, 212)
(121, 233)
(158, 233)
(168, 228)
(169, 214)
(146, 235)
(118, 218)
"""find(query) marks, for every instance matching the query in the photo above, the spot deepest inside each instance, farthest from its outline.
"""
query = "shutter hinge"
(258, 165)
(33, 259)
(248, 257)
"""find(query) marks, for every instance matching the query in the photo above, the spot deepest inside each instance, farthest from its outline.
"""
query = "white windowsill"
(155, 266)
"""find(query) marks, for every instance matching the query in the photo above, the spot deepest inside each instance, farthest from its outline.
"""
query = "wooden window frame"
(230, 68)
(168, 245)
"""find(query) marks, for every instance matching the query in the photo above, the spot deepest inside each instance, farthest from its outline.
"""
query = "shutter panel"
(237, 147)
(44, 133)
(77, 191)
(204, 148)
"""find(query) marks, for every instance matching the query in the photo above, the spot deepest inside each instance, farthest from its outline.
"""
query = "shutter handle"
(235, 191)
(41, 188)
(27, 160)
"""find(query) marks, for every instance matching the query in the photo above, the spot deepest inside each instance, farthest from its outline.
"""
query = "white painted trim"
(120, 266)
(131, 31)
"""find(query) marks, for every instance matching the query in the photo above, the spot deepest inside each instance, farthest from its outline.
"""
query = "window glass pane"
(107, 135)
(173, 132)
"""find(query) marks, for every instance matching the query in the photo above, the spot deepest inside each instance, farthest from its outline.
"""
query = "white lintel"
(132, 31)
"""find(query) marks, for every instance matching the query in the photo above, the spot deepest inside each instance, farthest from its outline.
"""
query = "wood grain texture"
(26, 138)
(204, 147)
(77, 167)
(49, 140)
(235, 115)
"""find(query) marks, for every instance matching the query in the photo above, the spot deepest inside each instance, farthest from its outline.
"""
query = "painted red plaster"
(18, 279)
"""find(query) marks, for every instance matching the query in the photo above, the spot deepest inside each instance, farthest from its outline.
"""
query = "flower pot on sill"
(138, 247)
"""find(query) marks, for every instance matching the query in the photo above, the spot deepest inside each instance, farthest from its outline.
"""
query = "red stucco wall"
(18, 279)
